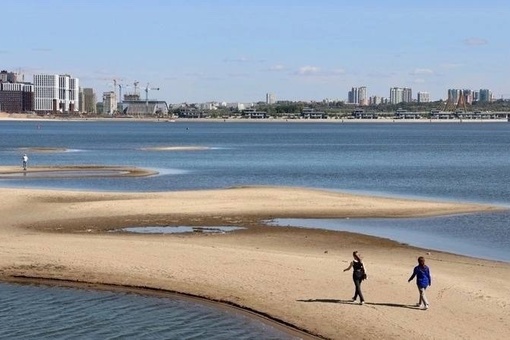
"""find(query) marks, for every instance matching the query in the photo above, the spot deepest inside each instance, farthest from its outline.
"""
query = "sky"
(237, 51)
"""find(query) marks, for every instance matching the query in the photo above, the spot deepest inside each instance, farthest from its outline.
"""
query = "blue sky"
(237, 51)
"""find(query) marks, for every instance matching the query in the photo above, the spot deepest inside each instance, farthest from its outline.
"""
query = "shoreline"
(173, 120)
(289, 274)
(167, 294)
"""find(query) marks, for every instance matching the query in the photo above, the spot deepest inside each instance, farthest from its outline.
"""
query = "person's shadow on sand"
(350, 302)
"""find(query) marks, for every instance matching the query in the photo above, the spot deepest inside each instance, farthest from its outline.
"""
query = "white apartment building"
(396, 95)
(423, 97)
(56, 93)
(362, 96)
(401, 95)
(358, 96)
(270, 98)
(109, 102)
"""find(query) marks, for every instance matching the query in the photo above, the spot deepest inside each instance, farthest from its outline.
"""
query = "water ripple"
(41, 312)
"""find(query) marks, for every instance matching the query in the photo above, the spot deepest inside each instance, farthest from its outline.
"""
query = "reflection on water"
(179, 229)
(43, 312)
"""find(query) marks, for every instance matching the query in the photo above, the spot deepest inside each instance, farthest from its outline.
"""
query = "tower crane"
(121, 86)
(147, 89)
(135, 84)
(116, 83)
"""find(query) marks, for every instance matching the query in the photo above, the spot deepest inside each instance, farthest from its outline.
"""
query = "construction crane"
(147, 89)
(117, 84)
(135, 84)
(121, 86)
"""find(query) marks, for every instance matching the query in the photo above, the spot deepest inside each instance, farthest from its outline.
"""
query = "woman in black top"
(358, 275)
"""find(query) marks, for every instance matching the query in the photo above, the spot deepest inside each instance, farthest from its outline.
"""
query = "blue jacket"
(423, 279)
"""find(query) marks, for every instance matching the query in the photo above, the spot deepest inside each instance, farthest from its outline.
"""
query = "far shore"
(289, 275)
(32, 117)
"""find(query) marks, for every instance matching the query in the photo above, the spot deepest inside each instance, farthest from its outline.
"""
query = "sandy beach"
(290, 275)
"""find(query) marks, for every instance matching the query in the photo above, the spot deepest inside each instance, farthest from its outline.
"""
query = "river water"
(459, 162)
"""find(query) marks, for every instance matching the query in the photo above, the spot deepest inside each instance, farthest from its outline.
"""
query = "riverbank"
(288, 274)
(33, 117)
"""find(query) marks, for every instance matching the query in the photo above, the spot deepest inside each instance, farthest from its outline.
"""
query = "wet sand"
(74, 171)
(290, 275)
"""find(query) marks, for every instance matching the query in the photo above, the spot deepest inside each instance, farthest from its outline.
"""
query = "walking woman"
(358, 275)
(423, 280)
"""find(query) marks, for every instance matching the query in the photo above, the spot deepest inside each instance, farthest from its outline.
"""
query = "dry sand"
(288, 274)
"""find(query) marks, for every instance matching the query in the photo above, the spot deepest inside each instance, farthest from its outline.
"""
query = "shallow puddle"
(180, 229)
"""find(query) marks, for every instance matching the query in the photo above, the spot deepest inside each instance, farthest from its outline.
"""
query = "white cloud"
(317, 72)
(421, 71)
(475, 41)
(243, 59)
(308, 70)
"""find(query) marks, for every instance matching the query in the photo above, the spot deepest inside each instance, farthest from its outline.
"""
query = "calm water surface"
(446, 161)
(466, 162)
(42, 312)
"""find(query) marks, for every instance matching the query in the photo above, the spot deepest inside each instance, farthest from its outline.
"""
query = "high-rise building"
(56, 93)
(11, 77)
(270, 98)
(89, 100)
(423, 97)
(454, 95)
(16, 97)
(358, 96)
(485, 95)
(407, 95)
(353, 96)
(362, 96)
(401, 95)
(468, 96)
(375, 100)
(396, 95)
(109, 102)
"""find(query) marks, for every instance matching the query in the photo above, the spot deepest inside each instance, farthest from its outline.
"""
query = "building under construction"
(133, 105)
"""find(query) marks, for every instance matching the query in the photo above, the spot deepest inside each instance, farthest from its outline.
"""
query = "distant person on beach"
(423, 280)
(25, 161)
(358, 275)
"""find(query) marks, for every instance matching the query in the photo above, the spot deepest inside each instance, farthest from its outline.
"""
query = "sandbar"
(287, 274)
(63, 171)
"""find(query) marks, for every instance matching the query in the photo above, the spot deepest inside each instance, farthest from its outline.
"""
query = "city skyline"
(198, 51)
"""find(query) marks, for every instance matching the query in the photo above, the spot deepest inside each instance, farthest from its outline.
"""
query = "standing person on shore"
(25, 161)
(423, 280)
(358, 275)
